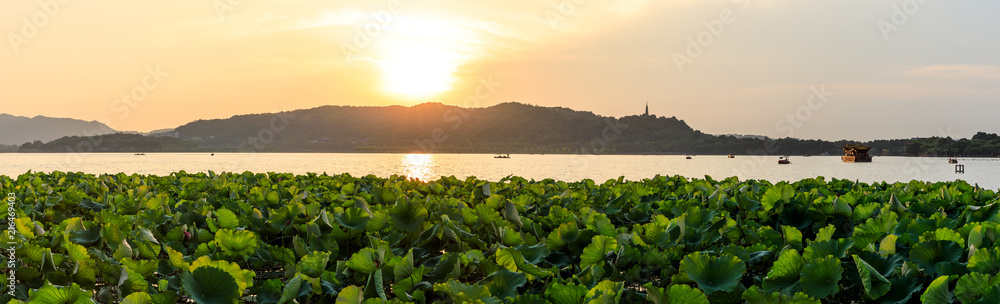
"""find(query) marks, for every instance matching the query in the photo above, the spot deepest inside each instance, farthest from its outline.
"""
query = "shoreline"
(477, 153)
(398, 177)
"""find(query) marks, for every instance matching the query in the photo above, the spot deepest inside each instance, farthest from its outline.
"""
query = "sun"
(415, 69)
(419, 57)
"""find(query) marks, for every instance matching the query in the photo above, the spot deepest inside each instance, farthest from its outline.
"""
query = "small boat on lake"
(502, 155)
(952, 160)
(687, 157)
(731, 155)
(784, 160)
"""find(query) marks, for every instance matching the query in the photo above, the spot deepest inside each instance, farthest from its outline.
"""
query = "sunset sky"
(878, 69)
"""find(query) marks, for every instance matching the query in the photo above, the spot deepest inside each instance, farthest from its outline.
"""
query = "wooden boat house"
(856, 154)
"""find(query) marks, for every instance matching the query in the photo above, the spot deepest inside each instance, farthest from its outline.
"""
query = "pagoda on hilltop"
(856, 154)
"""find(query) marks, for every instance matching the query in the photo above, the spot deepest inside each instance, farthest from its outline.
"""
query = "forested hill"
(434, 127)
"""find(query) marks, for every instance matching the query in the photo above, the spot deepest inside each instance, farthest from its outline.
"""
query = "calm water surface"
(985, 172)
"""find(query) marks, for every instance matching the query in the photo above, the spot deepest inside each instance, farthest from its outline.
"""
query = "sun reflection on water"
(419, 166)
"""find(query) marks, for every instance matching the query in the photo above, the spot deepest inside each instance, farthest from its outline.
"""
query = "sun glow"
(417, 70)
(419, 58)
(419, 166)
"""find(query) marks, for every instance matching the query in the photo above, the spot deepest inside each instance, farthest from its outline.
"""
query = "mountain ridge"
(426, 127)
(16, 130)
(509, 127)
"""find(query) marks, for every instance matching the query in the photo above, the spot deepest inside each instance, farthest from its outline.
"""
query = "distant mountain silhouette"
(434, 127)
(16, 130)
(118, 142)
(503, 128)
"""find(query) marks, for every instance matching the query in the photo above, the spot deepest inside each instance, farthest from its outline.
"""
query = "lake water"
(982, 171)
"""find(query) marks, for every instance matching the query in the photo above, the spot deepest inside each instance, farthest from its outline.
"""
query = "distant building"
(647, 109)
(742, 136)
(324, 139)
